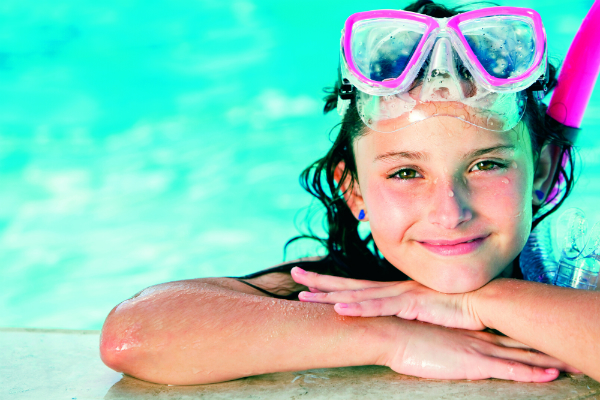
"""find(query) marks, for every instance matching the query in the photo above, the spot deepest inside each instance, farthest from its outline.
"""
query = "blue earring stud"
(361, 215)
(539, 194)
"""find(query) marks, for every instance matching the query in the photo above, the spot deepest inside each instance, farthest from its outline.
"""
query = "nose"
(450, 205)
(442, 81)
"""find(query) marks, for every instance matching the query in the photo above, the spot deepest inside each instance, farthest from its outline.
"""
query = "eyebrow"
(417, 155)
(495, 149)
(394, 155)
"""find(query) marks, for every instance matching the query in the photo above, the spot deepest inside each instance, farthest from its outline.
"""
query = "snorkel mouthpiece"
(578, 265)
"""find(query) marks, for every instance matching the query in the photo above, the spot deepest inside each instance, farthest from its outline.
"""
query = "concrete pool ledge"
(63, 364)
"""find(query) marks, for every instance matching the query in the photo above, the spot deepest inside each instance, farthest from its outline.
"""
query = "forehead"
(440, 137)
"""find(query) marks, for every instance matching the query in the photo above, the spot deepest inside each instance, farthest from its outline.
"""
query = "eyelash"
(396, 175)
(496, 165)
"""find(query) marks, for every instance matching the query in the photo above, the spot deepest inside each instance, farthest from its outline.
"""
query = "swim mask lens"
(478, 63)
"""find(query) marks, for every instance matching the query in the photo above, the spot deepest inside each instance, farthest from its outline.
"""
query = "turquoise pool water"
(147, 141)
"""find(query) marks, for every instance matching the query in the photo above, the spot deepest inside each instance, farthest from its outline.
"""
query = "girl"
(449, 160)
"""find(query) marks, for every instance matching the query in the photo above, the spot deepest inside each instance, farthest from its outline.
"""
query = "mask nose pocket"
(442, 80)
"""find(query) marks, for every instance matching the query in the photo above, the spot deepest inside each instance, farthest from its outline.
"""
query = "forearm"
(560, 322)
(194, 332)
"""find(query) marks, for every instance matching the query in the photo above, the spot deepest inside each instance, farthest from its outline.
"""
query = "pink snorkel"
(565, 112)
(578, 74)
(575, 84)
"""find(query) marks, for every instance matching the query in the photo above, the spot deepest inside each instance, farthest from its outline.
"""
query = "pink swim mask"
(474, 66)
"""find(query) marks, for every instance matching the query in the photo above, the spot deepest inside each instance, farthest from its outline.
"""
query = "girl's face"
(449, 204)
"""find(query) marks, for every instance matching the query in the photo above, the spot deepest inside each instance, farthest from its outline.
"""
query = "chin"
(467, 280)
(456, 287)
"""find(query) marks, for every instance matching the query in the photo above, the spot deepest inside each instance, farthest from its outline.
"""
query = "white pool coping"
(63, 364)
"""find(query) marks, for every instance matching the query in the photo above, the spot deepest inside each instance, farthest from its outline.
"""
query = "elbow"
(110, 358)
(145, 337)
(110, 344)
(120, 343)
(124, 344)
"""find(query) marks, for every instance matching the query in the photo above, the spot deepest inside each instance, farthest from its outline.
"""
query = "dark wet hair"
(359, 257)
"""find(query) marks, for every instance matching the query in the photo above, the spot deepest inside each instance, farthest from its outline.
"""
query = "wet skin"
(448, 204)
(178, 332)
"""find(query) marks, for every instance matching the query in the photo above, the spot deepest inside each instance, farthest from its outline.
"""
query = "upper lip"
(452, 242)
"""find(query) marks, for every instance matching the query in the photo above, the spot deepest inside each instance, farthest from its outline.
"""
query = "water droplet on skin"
(514, 165)
(451, 194)
(505, 181)
(435, 181)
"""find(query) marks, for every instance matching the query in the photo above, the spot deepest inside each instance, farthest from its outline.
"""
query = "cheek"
(506, 203)
(392, 208)
(504, 194)
(503, 201)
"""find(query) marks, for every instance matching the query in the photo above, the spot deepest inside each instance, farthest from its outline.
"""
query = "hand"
(406, 299)
(435, 352)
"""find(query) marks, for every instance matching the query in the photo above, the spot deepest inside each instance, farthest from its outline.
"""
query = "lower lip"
(455, 249)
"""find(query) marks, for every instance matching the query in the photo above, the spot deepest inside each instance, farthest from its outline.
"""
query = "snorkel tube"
(579, 263)
(578, 74)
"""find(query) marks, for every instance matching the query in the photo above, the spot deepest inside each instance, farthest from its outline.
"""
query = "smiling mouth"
(454, 247)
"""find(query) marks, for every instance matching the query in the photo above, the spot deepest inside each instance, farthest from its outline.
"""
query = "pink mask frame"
(432, 31)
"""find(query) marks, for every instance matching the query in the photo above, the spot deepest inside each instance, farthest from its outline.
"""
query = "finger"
(529, 357)
(354, 296)
(572, 370)
(314, 290)
(328, 283)
(410, 308)
(506, 341)
(496, 339)
(516, 371)
(381, 307)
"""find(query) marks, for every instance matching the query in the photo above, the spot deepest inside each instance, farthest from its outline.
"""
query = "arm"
(557, 321)
(212, 330)
(561, 322)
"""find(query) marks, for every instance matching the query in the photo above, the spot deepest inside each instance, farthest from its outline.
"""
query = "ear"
(544, 171)
(352, 195)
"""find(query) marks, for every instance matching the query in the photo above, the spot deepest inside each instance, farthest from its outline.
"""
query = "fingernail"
(342, 305)
(307, 295)
(299, 271)
(551, 371)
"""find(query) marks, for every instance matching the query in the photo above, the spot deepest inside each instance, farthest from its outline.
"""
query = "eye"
(406, 173)
(487, 166)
